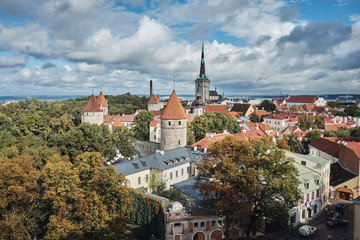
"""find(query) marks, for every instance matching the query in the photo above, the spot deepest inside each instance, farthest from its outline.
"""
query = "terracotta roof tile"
(173, 109)
(328, 145)
(117, 123)
(216, 108)
(301, 99)
(240, 107)
(154, 99)
(260, 113)
(334, 127)
(101, 100)
(92, 105)
(355, 146)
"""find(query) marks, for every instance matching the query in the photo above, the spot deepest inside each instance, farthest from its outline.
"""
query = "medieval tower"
(103, 103)
(92, 113)
(202, 88)
(173, 124)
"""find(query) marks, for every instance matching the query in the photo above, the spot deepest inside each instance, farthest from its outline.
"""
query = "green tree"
(355, 132)
(306, 122)
(343, 132)
(62, 124)
(255, 118)
(282, 144)
(251, 180)
(295, 144)
(211, 122)
(267, 106)
(352, 110)
(141, 122)
(334, 104)
(310, 137)
(319, 122)
(33, 124)
(189, 135)
(6, 124)
(123, 140)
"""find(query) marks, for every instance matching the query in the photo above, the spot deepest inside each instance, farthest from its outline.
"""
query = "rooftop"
(173, 109)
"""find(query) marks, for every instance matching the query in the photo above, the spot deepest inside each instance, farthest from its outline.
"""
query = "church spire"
(202, 74)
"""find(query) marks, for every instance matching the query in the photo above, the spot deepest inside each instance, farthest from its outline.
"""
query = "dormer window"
(317, 181)
(306, 185)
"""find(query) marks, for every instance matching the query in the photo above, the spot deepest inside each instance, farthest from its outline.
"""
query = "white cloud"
(12, 61)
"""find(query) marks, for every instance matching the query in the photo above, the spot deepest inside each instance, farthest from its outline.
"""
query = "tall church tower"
(202, 88)
(173, 124)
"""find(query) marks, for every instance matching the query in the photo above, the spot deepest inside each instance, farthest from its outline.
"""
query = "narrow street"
(337, 233)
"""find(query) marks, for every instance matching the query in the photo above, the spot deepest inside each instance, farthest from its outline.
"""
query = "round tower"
(173, 124)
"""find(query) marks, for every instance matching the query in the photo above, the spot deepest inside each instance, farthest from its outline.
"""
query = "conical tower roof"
(202, 74)
(173, 109)
(92, 105)
(101, 100)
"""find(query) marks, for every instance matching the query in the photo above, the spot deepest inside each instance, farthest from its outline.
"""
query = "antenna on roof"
(174, 80)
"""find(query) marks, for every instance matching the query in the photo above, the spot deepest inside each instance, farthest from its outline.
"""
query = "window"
(182, 172)
(213, 223)
(318, 193)
(179, 142)
(139, 180)
(303, 163)
(306, 185)
(202, 224)
(219, 223)
(154, 137)
(169, 123)
(179, 123)
(317, 181)
(188, 169)
(147, 177)
(176, 174)
(177, 225)
(171, 176)
(196, 225)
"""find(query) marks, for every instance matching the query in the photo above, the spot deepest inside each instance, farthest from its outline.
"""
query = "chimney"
(345, 120)
(151, 92)
(195, 148)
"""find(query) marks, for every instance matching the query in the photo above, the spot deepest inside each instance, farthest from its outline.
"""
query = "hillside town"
(322, 142)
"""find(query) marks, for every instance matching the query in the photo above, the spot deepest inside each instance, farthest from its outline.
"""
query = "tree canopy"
(267, 106)
(250, 181)
(141, 122)
(213, 122)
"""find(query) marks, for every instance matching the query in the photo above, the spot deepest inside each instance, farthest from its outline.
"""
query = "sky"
(252, 47)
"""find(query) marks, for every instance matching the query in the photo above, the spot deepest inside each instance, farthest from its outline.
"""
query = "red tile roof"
(334, 127)
(117, 123)
(355, 146)
(260, 113)
(301, 99)
(101, 100)
(173, 109)
(154, 99)
(327, 145)
(127, 118)
(216, 108)
(92, 105)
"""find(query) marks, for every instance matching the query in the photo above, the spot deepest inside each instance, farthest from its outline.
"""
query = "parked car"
(307, 230)
(337, 222)
(341, 208)
(333, 214)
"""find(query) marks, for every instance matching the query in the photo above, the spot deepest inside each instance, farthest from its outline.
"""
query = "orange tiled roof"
(117, 123)
(260, 113)
(302, 99)
(216, 108)
(355, 146)
(154, 99)
(154, 123)
(92, 105)
(334, 127)
(234, 115)
(173, 109)
(101, 100)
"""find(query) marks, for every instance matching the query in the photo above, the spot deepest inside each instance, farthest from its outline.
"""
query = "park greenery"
(53, 182)
(248, 181)
(212, 122)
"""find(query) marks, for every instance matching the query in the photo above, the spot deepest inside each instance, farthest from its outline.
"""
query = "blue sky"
(251, 47)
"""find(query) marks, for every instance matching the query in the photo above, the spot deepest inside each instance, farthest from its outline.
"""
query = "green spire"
(202, 74)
